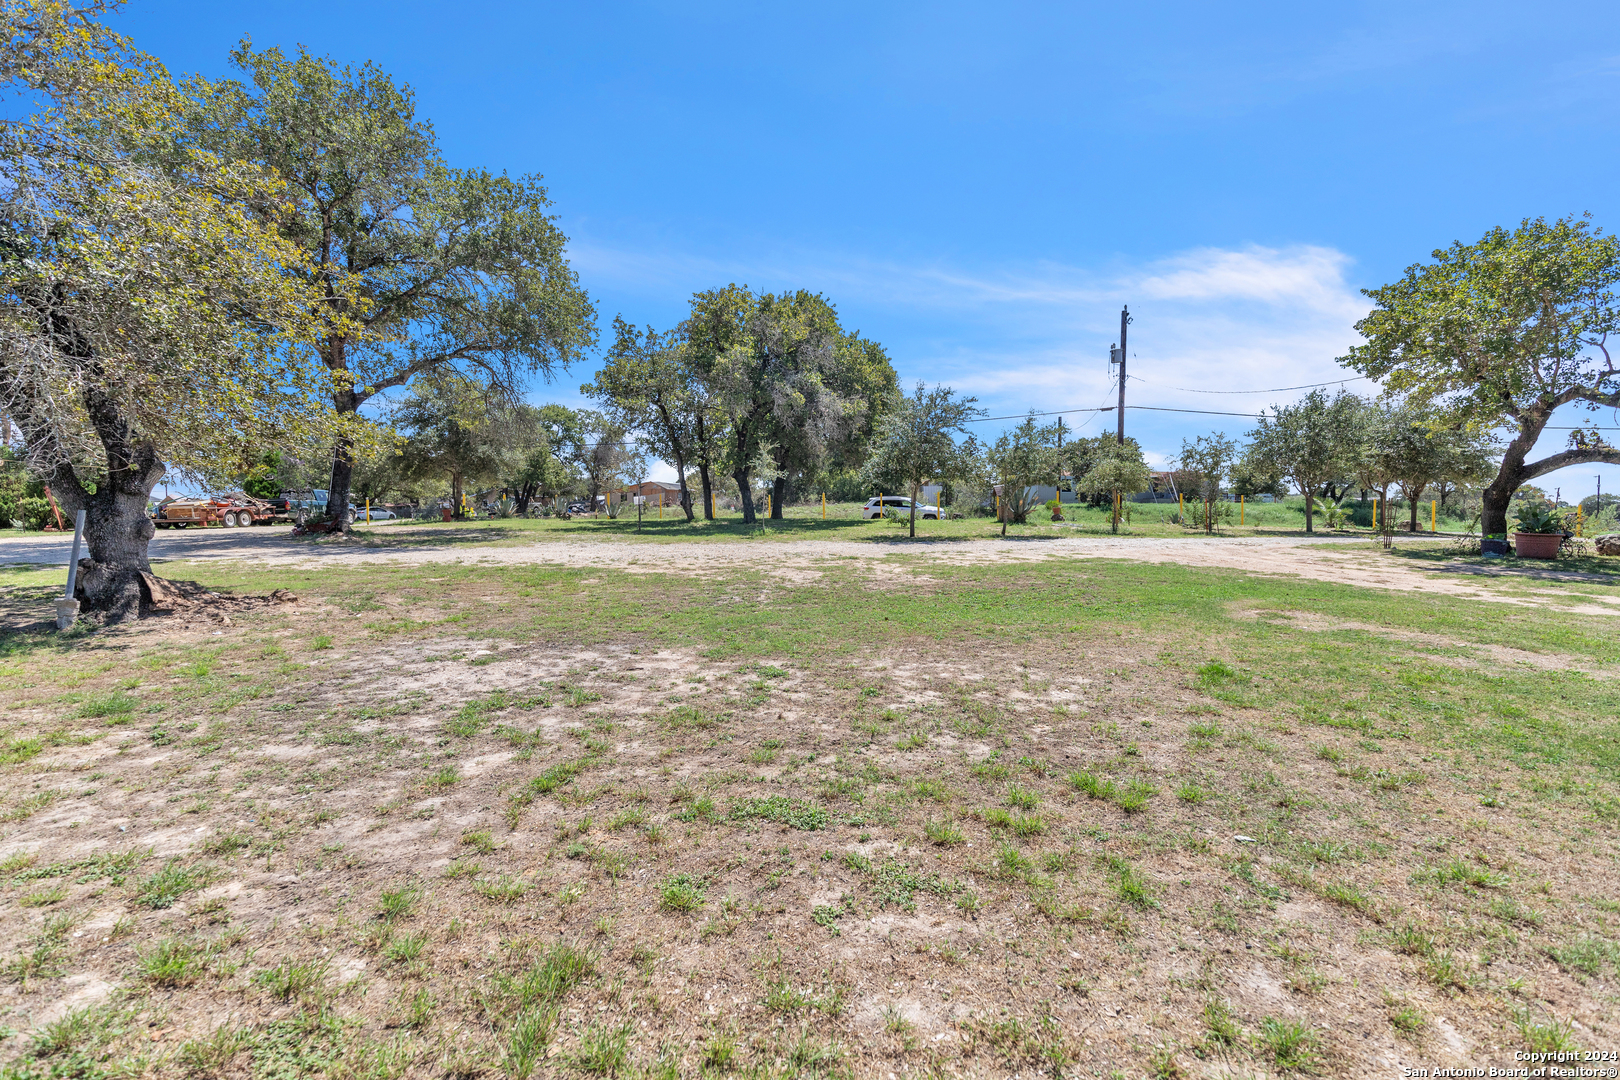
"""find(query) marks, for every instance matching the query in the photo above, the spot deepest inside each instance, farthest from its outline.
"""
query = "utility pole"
(1124, 322)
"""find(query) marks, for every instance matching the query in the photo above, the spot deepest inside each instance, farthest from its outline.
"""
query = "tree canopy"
(421, 268)
(1207, 462)
(1310, 443)
(1020, 459)
(648, 386)
(1114, 468)
(152, 317)
(1500, 333)
(917, 441)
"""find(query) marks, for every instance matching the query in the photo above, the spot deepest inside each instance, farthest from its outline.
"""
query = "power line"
(1206, 412)
(1111, 408)
(1273, 390)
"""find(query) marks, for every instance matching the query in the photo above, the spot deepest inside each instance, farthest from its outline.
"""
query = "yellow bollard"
(660, 506)
(823, 506)
(1181, 510)
(1580, 519)
(880, 505)
(937, 516)
(368, 511)
(1434, 516)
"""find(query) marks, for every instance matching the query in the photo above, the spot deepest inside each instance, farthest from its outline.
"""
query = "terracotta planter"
(1537, 545)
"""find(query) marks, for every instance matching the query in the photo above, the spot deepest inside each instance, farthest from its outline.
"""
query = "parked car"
(378, 514)
(890, 505)
(579, 508)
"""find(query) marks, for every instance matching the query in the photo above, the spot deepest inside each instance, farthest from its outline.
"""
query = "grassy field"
(1097, 819)
(843, 522)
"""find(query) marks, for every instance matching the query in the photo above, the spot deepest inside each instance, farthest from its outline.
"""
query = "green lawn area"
(843, 522)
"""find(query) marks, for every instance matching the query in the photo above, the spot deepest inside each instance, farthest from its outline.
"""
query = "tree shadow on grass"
(1579, 569)
(28, 621)
(444, 535)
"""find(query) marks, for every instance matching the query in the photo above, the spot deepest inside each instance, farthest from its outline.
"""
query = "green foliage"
(1539, 517)
(263, 481)
(101, 706)
(1205, 464)
(1102, 466)
(187, 315)
(294, 979)
(776, 368)
(171, 962)
(917, 441)
(1291, 1044)
(604, 1050)
(527, 1041)
(442, 270)
(35, 513)
(1021, 459)
(549, 979)
(1311, 443)
(1503, 332)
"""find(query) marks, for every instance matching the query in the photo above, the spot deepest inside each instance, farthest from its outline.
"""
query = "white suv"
(897, 506)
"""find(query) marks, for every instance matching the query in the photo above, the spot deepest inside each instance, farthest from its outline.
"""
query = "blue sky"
(981, 187)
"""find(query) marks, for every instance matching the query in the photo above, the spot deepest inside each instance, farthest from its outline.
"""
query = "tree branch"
(1607, 455)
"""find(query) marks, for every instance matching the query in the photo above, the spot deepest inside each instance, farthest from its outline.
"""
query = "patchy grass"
(546, 825)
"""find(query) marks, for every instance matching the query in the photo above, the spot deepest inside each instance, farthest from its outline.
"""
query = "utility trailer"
(231, 511)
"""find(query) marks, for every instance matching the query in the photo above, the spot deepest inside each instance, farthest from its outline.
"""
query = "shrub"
(35, 513)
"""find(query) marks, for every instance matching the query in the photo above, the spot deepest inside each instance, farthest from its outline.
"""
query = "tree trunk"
(747, 494)
(914, 489)
(680, 475)
(1309, 506)
(116, 528)
(778, 489)
(1413, 497)
(708, 492)
(1497, 499)
(455, 494)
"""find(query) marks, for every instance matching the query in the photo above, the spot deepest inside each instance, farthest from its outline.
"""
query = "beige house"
(656, 492)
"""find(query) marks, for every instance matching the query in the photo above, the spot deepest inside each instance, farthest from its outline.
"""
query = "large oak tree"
(1500, 334)
(147, 321)
(424, 268)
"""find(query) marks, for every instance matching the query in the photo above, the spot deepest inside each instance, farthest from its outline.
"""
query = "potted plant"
(1540, 531)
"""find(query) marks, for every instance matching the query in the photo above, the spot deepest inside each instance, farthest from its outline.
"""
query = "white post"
(67, 608)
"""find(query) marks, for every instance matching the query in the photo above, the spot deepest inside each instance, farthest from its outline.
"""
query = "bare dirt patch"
(968, 857)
